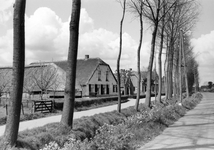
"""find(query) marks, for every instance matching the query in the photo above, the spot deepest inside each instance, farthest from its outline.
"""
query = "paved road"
(194, 131)
(43, 121)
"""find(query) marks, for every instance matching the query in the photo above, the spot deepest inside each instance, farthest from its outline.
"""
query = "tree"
(5, 80)
(123, 5)
(29, 84)
(12, 125)
(136, 7)
(192, 73)
(44, 77)
(184, 63)
(125, 76)
(162, 28)
(68, 107)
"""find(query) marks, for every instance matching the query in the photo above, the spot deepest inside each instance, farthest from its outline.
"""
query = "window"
(91, 88)
(114, 88)
(99, 75)
(107, 75)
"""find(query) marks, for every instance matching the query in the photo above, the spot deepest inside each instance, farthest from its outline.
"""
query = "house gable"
(106, 75)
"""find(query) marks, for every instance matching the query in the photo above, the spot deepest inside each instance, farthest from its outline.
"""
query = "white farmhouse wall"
(111, 79)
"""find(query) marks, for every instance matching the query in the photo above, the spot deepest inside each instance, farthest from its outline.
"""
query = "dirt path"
(43, 121)
(194, 131)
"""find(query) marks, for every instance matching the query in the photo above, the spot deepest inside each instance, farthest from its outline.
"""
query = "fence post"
(27, 103)
(6, 110)
(53, 105)
(32, 108)
(22, 109)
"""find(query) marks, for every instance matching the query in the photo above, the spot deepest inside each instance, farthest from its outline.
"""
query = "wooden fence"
(43, 106)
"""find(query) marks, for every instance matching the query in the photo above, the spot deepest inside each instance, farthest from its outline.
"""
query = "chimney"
(86, 57)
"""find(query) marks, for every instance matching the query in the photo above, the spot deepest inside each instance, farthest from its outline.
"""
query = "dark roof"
(144, 74)
(85, 68)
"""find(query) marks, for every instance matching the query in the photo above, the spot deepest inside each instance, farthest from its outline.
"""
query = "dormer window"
(99, 75)
(107, 74)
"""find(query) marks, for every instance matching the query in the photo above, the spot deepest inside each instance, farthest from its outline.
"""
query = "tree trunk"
(12, 126)
(160, 61)
(68, 107)
(176, 74)
(149, 75)
(119, 56)
(166, 68)
(169, 71)
(185, 70)
(138, 64)
(160, 70)
(180, 72)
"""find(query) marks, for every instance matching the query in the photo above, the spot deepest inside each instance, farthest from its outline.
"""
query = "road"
(194, 131)
(43, 121)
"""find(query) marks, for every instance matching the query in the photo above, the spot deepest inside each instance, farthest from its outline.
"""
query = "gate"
(43, 106)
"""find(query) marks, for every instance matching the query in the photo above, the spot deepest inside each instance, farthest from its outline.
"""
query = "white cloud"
(5, 13)
(204, 47)
(5, 4)
(86, 23)
(47, 38)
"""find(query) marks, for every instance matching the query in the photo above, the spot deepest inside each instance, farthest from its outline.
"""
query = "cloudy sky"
(47, 34)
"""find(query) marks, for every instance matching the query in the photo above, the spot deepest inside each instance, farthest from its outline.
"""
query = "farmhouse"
(143, 85)
(94, 77)
(129, 80)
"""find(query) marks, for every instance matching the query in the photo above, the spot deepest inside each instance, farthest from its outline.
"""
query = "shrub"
(109, 137)
(51, 146)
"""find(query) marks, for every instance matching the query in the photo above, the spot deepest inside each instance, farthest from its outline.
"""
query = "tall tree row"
(68, 107)
(167, 19)
(181, 20)
(152, 12)
(12, 125)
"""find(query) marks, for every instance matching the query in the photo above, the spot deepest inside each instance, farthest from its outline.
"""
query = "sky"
(47, 34)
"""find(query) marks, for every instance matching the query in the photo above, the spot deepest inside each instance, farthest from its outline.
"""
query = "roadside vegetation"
(119, 131)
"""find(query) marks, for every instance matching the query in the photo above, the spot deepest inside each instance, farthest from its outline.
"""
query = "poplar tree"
(68, 107)
(13, 118)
